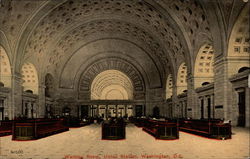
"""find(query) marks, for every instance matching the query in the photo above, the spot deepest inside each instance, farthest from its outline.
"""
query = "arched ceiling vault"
(93, 31)
(166, 29)
(67, 14)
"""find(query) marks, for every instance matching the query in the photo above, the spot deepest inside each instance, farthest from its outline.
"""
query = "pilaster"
(192, 99)
(41, 101)
(16, 96)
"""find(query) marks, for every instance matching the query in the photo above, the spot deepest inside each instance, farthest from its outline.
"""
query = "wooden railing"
(113, 130)
(37, 128)
(166, 129)
(212, 128)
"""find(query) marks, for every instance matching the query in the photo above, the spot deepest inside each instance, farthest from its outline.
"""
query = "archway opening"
(204, 66)
(112, 85)
(30, 78)
(5, 70)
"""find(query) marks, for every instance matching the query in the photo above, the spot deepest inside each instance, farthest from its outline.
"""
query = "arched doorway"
(111, 87)
(112, 95)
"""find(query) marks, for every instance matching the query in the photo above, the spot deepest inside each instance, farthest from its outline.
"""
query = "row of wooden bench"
(160, 129)
(30, 129)
(5, 128)
(169, 129)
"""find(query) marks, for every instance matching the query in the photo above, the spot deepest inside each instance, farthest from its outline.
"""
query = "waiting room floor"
(86, 143)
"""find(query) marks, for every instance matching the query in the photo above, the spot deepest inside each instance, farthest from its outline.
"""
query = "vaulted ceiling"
(51, 33)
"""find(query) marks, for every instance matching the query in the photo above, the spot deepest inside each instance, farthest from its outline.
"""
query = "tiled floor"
(86, 143)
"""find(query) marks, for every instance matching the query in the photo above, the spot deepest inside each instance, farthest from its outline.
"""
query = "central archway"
(134, 83)
(112, 85)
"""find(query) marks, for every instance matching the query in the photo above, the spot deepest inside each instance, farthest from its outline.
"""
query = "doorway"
(156, 112)
(1, 113)
(84, 111)
(202, 108)
(242, 109)
(138, 110)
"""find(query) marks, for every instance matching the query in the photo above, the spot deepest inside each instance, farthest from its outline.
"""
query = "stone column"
(174, 101)
(212, 107)
(106, 112)
(29, 109)
(125, 109)
(92, 110)
(41, 102)
(116, 110)
(206, 107)
(222, 89)
(34, 110)
(247, 104)
(192, 97)
(16, 95)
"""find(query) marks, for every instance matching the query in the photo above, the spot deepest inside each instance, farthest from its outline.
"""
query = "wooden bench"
(5, 128)
(212, 128)
(165, 130)
(113, 130)
(37, 128)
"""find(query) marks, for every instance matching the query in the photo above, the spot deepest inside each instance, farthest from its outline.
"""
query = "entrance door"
(202, 108)
(138, 110)
(1, 109)
(242, 110)
(84, 111)
(209, 108)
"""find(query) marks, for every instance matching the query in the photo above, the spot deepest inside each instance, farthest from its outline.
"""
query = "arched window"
(204, 66)
(242, 69)
(49, 85)
(30, 77)
(112, 85)
(5, 70)
(182, 79)
(169, 86)
(239, 47)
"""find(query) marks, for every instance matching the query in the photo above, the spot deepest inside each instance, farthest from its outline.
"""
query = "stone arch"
(105, 48)
(5, 69)
(242, 69)
(169, 86)
(29, 77)
(182, 78)
(49, 85)
(204, 66)
(88, 75)
(239, 47)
